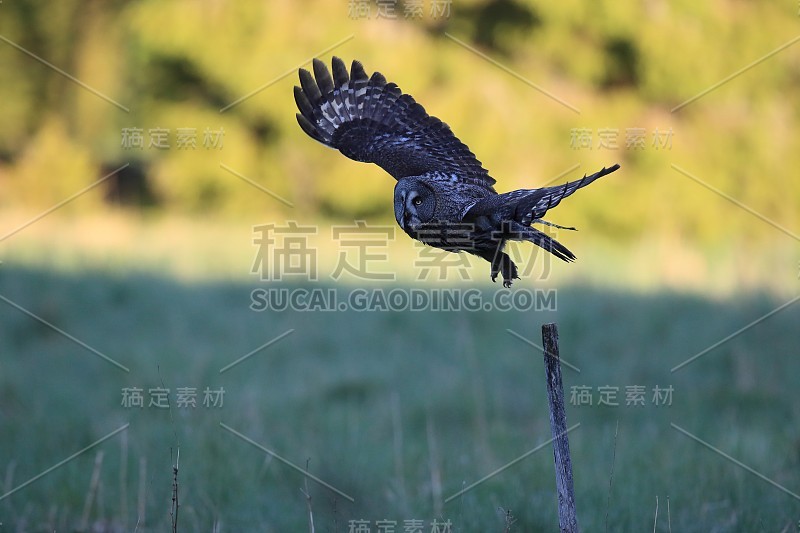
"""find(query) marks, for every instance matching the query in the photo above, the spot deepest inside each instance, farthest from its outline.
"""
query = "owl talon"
(502, 264)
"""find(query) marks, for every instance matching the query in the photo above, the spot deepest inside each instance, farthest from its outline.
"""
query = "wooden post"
(567, 516)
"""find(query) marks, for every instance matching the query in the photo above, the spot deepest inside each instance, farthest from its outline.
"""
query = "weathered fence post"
(567, 517)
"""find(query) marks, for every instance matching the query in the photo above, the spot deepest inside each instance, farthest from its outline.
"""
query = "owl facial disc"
(414, 204)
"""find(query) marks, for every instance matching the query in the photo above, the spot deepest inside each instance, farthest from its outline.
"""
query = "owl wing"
(370, 120)
(526, 205)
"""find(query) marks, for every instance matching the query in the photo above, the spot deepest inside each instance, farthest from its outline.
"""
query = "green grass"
(380, 404)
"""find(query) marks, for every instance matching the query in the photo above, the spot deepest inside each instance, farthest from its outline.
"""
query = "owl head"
(414, 204)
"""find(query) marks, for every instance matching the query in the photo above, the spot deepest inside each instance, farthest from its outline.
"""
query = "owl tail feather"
(542, 240)
(553, 224)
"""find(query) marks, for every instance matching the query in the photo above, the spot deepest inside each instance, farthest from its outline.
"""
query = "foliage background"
(177, 64)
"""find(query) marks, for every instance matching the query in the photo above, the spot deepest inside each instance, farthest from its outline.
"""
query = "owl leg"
(501, 264)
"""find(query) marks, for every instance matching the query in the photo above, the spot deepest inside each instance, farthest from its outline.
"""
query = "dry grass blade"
(611, 477)
(90, 495)
(175, 503)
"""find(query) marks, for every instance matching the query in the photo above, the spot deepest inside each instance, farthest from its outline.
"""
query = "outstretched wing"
(526, 205)
(370, 120)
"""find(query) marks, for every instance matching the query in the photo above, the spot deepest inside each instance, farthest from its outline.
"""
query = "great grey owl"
(443, 196)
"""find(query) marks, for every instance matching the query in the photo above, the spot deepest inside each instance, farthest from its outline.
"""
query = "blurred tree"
(181, 65)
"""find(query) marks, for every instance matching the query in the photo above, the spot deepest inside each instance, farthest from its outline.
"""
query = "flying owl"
(443, 196)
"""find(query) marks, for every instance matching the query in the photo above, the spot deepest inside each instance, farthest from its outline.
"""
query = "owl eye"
(417, 201)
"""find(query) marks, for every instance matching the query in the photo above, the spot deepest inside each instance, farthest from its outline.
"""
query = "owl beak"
(410, 222)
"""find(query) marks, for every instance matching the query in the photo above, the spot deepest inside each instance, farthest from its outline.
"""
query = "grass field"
(396, 410)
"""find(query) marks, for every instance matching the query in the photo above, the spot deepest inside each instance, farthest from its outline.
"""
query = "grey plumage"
(443, 196)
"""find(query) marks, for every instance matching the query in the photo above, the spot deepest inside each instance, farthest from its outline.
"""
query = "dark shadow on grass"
(325, 393)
